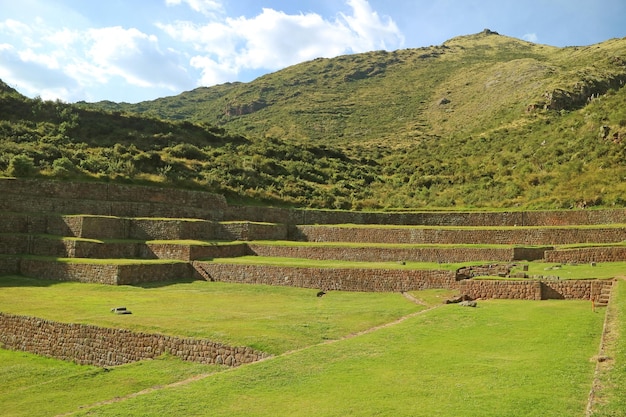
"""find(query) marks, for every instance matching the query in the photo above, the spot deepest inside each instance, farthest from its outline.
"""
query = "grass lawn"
(37, 386)
(293, 243)
(504, 358)
(271, 319)
(329, 263)
(601, 270)
(610, 399)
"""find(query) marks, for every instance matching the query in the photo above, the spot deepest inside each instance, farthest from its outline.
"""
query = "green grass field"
(331, 263)
(600, 270)
(270, 319)
(359, 354)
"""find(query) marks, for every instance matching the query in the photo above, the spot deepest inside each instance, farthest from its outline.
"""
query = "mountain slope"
(464, 87)
(481, 121)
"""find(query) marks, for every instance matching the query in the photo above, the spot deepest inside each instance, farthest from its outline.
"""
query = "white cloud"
(206, 7)
(274, 39)
(45, 60)
(46, 56)
(530, 37)
(372, 31)
(35, 75)
(15, 28)
(87, 58)
(136, 57)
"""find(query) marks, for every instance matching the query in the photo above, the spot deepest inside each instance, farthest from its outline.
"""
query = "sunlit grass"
(270, 319)
(36, 386)
(504, 358)
(599, 270)
(315, 263)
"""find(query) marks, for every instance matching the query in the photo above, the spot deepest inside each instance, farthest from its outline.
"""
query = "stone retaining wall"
(512, 236)
(245, 230)
(9, 265)
(534, 290)
(99, 198)
(379, 254)
(585, 255)
(110, 274)
(27, 195)
(515, 218)
(342, 279)
(92, 345)
(22, 244)
(521, 290)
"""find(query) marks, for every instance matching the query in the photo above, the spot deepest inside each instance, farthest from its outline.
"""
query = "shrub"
(21, 166)
(63, 167)
(187, 151)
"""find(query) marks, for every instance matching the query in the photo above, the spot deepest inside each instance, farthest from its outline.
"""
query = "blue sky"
(135, 50)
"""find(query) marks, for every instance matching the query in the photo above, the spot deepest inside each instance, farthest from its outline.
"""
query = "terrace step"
(47, 245)
(106, 271)
(604, 298)
(389, 252)
(367, 279)
(526, 236)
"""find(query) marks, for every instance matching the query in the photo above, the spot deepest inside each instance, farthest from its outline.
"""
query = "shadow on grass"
(161, 284)
(22, 281)
(7, 281)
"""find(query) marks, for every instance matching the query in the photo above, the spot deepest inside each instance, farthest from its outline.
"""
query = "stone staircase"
(605, 297)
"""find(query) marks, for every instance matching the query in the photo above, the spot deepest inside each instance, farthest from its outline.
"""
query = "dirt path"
(604, 361)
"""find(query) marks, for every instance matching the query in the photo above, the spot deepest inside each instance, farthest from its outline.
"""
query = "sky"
(137, 50)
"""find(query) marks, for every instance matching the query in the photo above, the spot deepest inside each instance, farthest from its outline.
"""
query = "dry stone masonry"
(92, 345)
(158, 231)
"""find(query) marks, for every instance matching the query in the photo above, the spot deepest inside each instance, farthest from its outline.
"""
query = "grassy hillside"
(483, 120)
(466, 86)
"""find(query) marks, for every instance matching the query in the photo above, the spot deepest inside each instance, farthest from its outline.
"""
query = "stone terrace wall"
(21, 244)
(9, 265)
(108, 199)
(106, 227)
(98, 198)
(512, 236)
(251, 231)
(377, 254)
(573, 289)
(584, 255)
(105, 273)
(515, 218)
(522, 290)
(343, 279)
(533, 290)
(92, 345)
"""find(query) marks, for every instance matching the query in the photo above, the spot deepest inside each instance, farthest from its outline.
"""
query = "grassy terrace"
(267, 318)
(393, 226)
(602, 270)
(97, 261)
(291, 243)
(313, 263)
(504, 358)
(564, 271)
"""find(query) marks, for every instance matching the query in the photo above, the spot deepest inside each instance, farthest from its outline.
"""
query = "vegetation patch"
(503, 358)
(600, 270)
(313, 263)
(36, 386)
(270, 319)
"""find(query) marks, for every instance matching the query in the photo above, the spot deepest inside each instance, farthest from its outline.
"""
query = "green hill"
(483, 120)
(466, 86)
